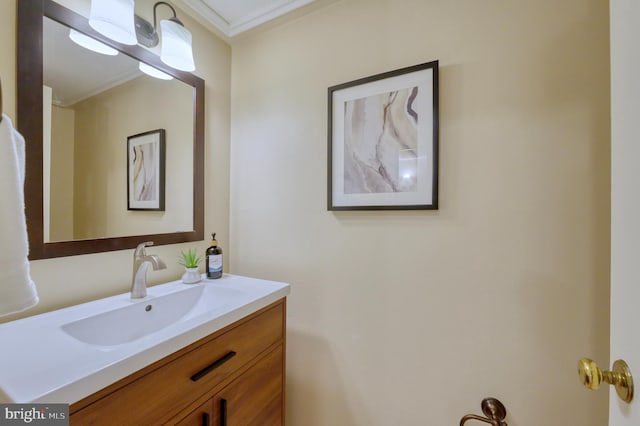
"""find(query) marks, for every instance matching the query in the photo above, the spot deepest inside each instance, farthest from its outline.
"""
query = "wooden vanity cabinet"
(201, 416)
(255, 398)
(234, 377)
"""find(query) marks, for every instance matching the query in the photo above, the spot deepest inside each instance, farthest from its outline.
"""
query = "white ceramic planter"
(191, 276)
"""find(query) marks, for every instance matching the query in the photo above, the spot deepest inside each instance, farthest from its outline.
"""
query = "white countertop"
(39, 362)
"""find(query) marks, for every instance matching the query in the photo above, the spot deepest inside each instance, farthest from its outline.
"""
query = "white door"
(625, 201)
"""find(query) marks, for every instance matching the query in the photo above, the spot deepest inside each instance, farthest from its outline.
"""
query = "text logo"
(34, 414)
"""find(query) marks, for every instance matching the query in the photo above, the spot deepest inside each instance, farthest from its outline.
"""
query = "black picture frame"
(383, 141)
(146, 171)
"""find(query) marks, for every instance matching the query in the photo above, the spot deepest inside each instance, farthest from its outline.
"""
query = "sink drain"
(148, 308)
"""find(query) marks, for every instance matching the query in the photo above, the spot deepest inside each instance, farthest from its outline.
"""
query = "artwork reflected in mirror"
(145, 170)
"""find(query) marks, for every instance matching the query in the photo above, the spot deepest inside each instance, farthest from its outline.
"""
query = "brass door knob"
(592, 376)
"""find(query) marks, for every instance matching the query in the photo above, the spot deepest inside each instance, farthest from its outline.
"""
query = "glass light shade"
(114, 19)
(153, 72)
(176, 48)
(91, 43)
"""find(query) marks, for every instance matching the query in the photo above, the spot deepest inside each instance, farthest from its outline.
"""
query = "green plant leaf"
(190, 258)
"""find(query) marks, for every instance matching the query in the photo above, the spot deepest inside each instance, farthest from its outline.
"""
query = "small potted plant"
(190, 260)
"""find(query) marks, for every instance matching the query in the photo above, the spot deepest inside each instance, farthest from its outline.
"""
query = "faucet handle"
(140, 250)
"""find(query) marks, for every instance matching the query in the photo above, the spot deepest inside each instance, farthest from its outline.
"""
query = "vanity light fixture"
(176, 50)
(117, 20)
(114, 19)
(153, 72)
(91, 43)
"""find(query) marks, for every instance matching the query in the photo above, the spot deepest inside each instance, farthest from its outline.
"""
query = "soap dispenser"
(214, 259)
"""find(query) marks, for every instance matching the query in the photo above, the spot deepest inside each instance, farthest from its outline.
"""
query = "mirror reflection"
(92, 102)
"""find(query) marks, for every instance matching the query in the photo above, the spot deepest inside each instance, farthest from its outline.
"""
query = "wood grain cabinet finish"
(234, 377)
(201, 416)
(254, 398)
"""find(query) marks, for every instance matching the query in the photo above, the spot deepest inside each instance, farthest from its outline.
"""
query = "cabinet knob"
(620, 376)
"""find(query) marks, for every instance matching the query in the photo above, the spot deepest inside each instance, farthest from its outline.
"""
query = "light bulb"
(153, 72)
(91, 43)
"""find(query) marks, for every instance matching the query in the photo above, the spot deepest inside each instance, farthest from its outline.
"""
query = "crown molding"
(247, 22)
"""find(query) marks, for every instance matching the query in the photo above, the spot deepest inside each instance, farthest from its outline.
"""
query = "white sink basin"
(151, 314)
(132, 322)
(68, 354)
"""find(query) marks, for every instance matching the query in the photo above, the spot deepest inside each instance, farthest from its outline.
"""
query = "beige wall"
(62, 174)
(66, 281)
(7, 57)
(103, 124)
(411, 318)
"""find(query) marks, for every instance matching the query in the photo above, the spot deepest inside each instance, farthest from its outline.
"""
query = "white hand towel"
(17, 290)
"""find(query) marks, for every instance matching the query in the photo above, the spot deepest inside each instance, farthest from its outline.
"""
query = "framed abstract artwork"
(383, 141)
(146, 170)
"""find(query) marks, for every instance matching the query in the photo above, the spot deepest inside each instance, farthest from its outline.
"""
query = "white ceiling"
(233, 17)
(72, 83)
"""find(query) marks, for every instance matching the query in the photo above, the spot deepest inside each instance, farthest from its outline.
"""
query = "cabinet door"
(256, 398)
(201, 416)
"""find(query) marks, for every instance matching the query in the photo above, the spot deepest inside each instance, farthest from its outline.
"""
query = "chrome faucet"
(141, 262)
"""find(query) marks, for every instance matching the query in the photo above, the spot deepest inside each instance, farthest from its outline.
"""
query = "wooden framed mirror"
(36, 16)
